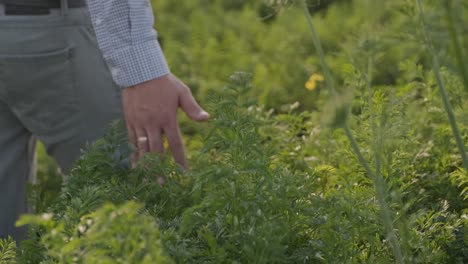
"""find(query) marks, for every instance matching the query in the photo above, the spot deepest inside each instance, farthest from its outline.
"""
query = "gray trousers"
(54, 86)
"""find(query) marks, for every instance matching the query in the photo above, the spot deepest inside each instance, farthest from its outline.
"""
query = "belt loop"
(64, 7)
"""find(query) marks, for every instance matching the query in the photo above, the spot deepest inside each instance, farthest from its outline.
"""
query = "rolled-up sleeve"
(128, 41)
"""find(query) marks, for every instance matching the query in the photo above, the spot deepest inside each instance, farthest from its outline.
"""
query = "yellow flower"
(311, 84)
(317, 77)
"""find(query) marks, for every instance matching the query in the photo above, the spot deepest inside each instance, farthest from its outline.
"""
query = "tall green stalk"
(378, 181)
(442, 90)
(378, 145)
(377, 142)
(318, 46)
(379, 185)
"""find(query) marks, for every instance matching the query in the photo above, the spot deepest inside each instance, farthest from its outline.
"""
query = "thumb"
(192, 108)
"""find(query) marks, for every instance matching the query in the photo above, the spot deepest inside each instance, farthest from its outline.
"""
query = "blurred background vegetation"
(206, 41)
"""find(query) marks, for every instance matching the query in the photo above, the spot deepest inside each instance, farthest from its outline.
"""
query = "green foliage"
(109, 235)
(7, 251)
(43, 194)
(460, 179)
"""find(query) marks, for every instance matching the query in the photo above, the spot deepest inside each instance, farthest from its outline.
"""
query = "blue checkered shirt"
(127, 39)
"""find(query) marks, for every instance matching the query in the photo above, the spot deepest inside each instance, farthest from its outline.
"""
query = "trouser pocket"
(40, 91)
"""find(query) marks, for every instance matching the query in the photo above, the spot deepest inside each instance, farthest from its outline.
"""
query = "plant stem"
(379, 183)
(442, 90)
(380, 187)
(459, 54)
(378, 153)
(318, 46)
(377, 141)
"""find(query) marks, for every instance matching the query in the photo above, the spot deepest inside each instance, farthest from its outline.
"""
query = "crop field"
(338, 135)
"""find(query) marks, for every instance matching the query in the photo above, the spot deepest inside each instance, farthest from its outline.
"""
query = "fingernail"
(204, 114)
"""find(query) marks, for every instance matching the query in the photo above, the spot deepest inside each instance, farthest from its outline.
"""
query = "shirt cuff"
(137, 64)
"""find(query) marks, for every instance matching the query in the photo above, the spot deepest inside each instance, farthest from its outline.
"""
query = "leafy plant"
(109, 235)
(8, 251)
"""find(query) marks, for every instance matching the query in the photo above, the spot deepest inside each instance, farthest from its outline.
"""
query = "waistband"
(37, 7)
(56, 19)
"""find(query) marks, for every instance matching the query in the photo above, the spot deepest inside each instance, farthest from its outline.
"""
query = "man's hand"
(150, 110)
